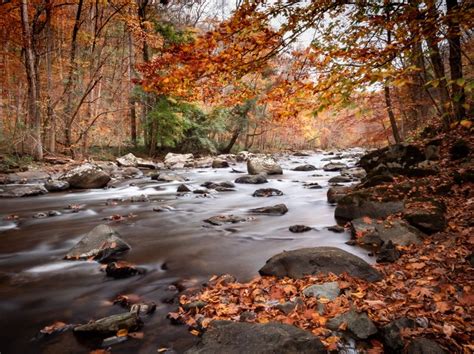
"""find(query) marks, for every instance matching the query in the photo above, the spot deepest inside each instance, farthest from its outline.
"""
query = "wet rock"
(101, 243)
(199, 304)
(459, 150)
(225, 219)
(358, 324)
(87, 176)
(329, 290)
(288, 306)
(369, 232)
(182, 188)
(54, 213)
(334, 166)
(358, 204)
(376, 180)
(111, 324)
(268, 165)
(121, 269)
(335, 194)
(388, 253)
(336, 228)
(267, 192)
(312, 185)
(200, 191)
(423, 346)
(243, 337)
(56, 185)
(392, 338)
(340, 179)
(219, 163)
(143, 308)
(305, 168)
(21, 190)
(279, 209)
(166, 177)
(258, 179)
(308, 261)
(299, 228)
(178, 160)
(219, 186)
(426, 215)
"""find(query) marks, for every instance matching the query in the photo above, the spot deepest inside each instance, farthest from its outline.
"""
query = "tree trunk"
(49, 104)
(391, 116)
(455, 62)
(34, 114)
(131, 100)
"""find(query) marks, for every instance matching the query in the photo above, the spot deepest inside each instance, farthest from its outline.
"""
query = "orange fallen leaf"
(122, 332)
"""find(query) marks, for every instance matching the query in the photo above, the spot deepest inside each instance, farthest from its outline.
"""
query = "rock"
(328, 290)
(288, 306)
(279, 209)
(369, 232)
(101, 243)
(355, 172)
(459, 150)
(268, 165)
(357, 323)
(247, 316)
(334, 166)
(111, 325)
(219, 163)
(397, 158)
(27, 177)
(54, 213)
(56, 185)
(21, 190)
(225, 219)
(336, 228)
(163, 208)
(426, 215)
(129, 160)
(267, 192)
(199, 304)
(392, 339)
(340, 179)
(376, 180)
(423, 346)
(242, 337)
(299, 228)
(139, 199)
(200, 191)
(178, 160)
(312, 185)
(258, 179)
(166, 177)
(131, 172)
(303, 153)
(87, 176)
(305, 168)
(335, 194)
(143, 308)
(309, 261)
(40, 215)
(432, 152)
(113, 340)
(388, 253)
(121, 269)
(202, 162)
(182, 188)
(358, 204)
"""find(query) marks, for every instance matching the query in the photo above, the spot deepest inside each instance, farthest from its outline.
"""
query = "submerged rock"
(358, 324)
(336, 228)
(182, 188)
(309, 261)
(268, 165)
(242, 337)
(312, 185)
(121, 269)
(21, 190)
(225, 219)
(111, 325)
(299, 228)
(101, 243)
(267, 192)
(278, 209)
(86, 176)
(305, 168)
(257, 179)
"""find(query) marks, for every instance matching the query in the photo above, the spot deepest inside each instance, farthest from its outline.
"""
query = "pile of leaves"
(431, 283)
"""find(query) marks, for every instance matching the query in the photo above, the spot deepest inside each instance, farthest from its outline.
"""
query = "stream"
(37, 287)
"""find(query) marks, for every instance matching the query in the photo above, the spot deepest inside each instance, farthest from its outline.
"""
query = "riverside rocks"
(299, 228)
(257, 179)
(278, 209)
(100, 244)
(111, 325)
(225, 219)
(219, 163)
(329, 290)
(426, 215)
(336, 193)
(21, 190)
(267, 192)
(268, 165)
(86, 176)
(308, 261)
(241, 337)
(334, 166)
(56, 185)
(358, 324)
(305, 168)
(178, 160)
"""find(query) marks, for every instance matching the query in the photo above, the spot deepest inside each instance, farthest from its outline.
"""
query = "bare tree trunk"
(49, 104)
(131, 100)
(391, 116)
(34, 113)
(455, 62)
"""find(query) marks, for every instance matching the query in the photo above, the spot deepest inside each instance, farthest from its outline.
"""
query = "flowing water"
(37, 287)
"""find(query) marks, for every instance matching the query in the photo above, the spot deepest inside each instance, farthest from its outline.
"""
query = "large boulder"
(268, 165)
(178, 160)
(426, 215)
(130, 160)
(309, 261)
(253, 338)
(86, 176)
(358, 204)
(100, 244)
(111, 325)
(369, 232)
(21, 190)
(336, 193)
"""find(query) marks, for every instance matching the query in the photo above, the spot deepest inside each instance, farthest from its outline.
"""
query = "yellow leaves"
(122, 332)
(466, 124)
